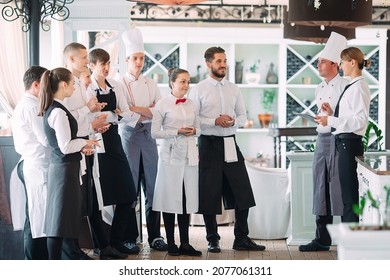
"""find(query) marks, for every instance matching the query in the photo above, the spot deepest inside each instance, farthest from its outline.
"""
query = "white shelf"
(253, 130)
(258, 85)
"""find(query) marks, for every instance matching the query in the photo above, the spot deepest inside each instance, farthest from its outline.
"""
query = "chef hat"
(133, 41)
(333, 48)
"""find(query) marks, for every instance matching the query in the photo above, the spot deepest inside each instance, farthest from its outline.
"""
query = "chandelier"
(28, 9)
(171, 2)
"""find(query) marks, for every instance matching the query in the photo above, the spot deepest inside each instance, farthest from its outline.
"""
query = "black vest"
(56, 154)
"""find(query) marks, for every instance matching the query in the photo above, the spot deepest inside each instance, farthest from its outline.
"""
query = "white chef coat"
(329, 92)
(134, 91)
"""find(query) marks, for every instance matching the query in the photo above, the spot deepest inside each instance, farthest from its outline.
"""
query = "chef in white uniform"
(327, 200)
(142, 94)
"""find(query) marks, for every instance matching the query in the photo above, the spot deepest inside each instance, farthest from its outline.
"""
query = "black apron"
(115, 176)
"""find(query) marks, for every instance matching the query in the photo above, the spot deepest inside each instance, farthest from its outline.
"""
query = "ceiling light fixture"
(345, 13)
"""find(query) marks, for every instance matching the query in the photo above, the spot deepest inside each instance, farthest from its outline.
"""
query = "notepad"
(308, 117)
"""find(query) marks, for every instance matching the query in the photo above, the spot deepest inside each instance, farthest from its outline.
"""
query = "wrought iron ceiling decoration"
(171, 2)
(49, 9)
(207, 13)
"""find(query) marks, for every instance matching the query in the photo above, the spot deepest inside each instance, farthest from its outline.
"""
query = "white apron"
(173, 170)
(35, 176)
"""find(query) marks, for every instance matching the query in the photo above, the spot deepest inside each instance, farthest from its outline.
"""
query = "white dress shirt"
(128, 116)
(142, 92)
(353, 109)
(77, 105)
(329, 92)
(31, 143)
(60, 123)
(214, 98)
(27, 128)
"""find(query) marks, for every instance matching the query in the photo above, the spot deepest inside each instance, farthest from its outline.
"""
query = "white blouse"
(169, 117)
(353, 109)
(60, 123)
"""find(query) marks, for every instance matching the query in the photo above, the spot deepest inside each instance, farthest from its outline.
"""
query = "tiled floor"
(275, 249)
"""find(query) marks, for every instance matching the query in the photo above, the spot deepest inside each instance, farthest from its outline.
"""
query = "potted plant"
(378, 134)
(252, 76)
(382, 205)
(267, 102)
(365, 241)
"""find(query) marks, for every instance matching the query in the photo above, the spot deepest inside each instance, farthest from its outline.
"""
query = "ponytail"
(49, 86)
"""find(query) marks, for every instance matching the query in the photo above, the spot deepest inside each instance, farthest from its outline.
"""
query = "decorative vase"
(265, 119)
(271, 78)
(238, 71)
(252, 78)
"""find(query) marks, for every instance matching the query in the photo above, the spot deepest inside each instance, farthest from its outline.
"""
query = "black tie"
(336, 110)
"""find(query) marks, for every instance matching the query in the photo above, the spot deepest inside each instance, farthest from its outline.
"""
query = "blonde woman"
(349, 123)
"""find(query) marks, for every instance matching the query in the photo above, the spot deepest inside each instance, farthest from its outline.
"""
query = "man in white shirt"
(222, 171)
(142, 94)
(76, 60)
(31, 143)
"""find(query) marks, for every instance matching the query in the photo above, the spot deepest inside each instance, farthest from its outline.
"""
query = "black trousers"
(348, 149)
(34, 248)
(70, 247)
(183, 221)
(240, 225)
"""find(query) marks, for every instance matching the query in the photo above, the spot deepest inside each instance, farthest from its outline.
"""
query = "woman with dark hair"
(63, 212)
(176, 189)
(349, 123)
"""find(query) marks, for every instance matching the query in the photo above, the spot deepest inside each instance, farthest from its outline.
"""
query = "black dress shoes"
(128, 248)
(246, 244)
(313, 246)
(110, 253)
(188, 250)
(173, 250)
(214, 246)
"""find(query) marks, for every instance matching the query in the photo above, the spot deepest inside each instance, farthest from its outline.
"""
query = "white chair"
(270, 218)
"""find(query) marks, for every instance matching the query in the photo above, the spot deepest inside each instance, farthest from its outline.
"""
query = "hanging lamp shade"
(313, 33)
(340, 13)
(171, 2)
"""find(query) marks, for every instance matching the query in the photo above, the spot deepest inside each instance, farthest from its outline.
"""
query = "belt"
(216, 137)
(341, 136)
(324, 134)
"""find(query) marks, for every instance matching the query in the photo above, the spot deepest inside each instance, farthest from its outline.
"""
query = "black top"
(56, 154)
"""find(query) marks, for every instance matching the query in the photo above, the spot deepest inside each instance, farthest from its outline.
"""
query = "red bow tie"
(180, 100)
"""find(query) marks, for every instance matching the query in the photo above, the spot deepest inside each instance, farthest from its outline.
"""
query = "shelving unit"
(294, 64)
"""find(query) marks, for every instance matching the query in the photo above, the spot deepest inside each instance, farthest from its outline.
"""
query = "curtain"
(13, 63)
